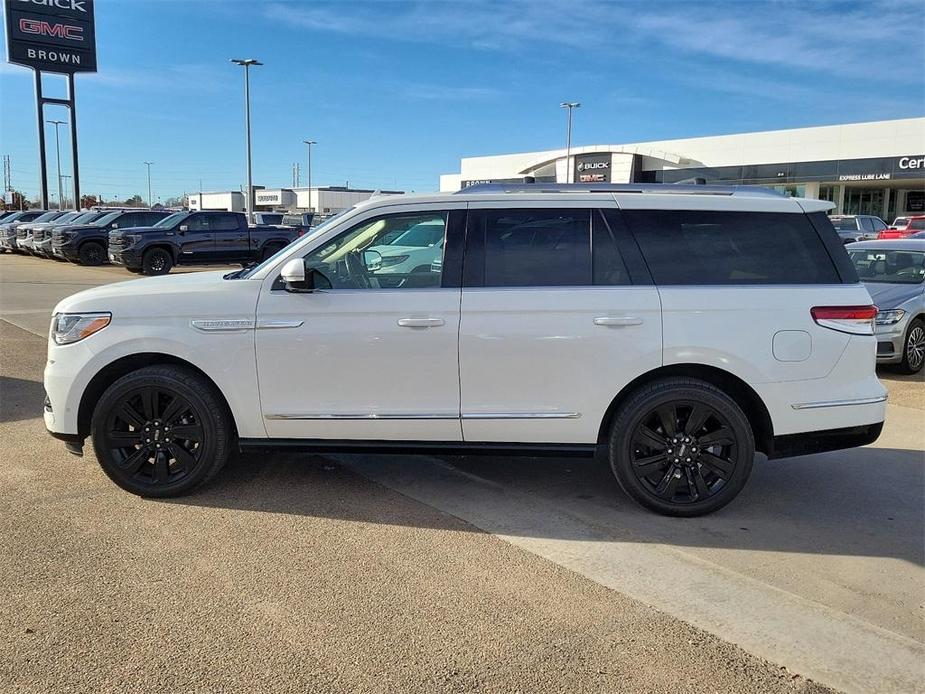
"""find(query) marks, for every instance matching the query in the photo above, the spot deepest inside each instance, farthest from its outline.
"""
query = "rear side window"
(694, 247)
(224, 222)
(533, 247)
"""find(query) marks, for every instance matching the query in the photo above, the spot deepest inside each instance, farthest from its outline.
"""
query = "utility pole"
(309, 143)
(56, 123)
(148, 164)
(246, 64)
(568, 138)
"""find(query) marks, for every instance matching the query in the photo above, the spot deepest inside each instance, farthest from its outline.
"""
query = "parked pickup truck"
(195, 238)
(86, 241)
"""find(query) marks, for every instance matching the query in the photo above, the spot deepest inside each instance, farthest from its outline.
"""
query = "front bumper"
(42, 248)
(8, 242)
(891, 341)
(127, 257)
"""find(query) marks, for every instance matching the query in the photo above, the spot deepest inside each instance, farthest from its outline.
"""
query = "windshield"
(900, 222)
(107, 218)
(844, 223)
(890, 267)
(88, 217)
(47, 217)
(244, 274)
(67, 217)
(172, 220)
(13, 217)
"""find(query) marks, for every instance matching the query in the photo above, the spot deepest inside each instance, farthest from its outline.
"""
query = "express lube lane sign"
(51, 35)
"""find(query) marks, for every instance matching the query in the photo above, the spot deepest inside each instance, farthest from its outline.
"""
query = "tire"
(156, 261)
(134, 431)
(271, 250)
(913, 348)
(91, 253)
(687, 470)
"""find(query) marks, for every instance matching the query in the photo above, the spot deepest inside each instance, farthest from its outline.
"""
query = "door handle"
(617, 321)
(420, 322)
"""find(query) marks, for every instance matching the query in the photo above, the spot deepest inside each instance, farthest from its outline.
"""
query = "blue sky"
(395, 93)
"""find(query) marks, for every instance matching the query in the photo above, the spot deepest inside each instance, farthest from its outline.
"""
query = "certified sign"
(51, 35)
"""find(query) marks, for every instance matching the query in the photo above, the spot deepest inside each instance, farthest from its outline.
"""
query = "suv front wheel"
(156, 261)
(161, 431)
(681, 447)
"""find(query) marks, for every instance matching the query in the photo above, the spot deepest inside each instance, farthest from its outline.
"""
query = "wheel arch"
(163, 245)
(115, 370)
(744, 395)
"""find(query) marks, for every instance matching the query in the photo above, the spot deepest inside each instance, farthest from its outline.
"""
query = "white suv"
(677, 329)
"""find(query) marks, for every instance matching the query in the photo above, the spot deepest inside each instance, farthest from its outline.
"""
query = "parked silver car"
(857, 227)
(894, 273)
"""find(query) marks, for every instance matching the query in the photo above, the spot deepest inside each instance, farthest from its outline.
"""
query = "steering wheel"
(356, 270)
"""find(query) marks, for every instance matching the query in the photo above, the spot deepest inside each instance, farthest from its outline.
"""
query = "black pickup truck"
(85, 240)
(195, 238)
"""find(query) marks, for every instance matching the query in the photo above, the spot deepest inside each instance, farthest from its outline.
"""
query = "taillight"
(856, 320)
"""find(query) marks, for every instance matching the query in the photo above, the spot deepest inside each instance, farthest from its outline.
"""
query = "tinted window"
(534, 248)
(198, 222)
(867, 224)
(607, 264)
(879, 224)
(889, 266)
(224, 222)
(699, 247)
(917, 224)
(845, 223)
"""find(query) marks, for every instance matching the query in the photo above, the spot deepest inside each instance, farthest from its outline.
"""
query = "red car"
(903, 227)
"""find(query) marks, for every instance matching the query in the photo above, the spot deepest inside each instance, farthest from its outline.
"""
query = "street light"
(246, 64)
(148, 164)
(568, 141)
(311, 207)
(56, 123)
(66, 193)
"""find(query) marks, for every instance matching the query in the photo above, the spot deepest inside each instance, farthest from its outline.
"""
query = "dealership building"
(324, 200)
(864, 168)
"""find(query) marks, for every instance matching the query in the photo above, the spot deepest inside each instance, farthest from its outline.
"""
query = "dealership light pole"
(56, 123)
(311, 207)
(66, 197)
(148, 164)
(246, 64)
(568, 138)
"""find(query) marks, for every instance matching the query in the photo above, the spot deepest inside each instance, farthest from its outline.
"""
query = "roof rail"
(663, 188)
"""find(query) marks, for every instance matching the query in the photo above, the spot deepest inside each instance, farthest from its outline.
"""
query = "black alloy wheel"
(92, 253)
(156, 261)
(681, 447)
(161, 431)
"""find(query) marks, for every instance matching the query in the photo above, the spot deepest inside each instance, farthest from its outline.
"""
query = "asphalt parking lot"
(412, 573)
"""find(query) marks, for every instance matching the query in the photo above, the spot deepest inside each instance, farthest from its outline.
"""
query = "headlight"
(74, 327)
(890, 316)
(390, 260)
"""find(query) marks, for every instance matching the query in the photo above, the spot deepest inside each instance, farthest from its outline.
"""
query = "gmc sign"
(51, 35)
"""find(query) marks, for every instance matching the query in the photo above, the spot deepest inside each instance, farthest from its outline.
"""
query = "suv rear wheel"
(156, 261)
(161, 431)
(681, 447)
(92, 253)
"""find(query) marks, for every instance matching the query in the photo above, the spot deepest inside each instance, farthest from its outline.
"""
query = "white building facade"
(324, 200)
(864, 168)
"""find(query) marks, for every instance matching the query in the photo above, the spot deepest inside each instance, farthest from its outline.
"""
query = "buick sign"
(592, 168)
(51, 35)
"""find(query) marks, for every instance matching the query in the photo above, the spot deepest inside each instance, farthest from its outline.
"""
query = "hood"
(164, 295)
(888, 296)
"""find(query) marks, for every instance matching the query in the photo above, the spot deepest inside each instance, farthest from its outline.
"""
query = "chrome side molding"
(839, 403)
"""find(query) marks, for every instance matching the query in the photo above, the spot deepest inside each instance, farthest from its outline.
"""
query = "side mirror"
(299, 279)
(184, 228)
(372, 260)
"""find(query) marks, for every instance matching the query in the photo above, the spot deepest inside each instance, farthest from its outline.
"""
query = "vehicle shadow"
(861, 502)
(20, 398)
